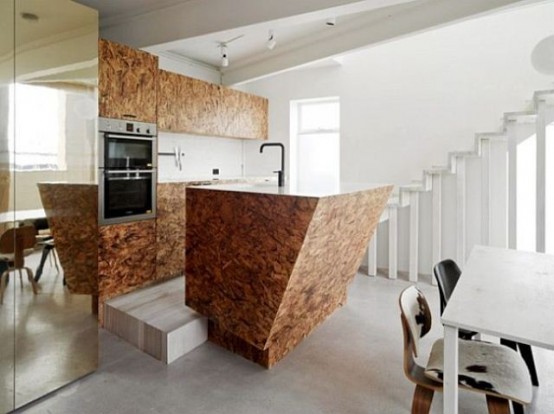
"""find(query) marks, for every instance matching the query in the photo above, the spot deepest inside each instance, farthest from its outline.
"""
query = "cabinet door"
(127, 82)
(196, 107)
(170, 230)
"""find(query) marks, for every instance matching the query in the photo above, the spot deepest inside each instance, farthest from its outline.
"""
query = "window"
(315, 143)
(40, 134)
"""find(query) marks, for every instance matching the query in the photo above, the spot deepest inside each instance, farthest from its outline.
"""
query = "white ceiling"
(110, 10)
(192, 29)
(250, 42)
(55, 17)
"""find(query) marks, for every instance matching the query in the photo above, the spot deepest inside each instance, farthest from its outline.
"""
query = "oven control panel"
(126, 127)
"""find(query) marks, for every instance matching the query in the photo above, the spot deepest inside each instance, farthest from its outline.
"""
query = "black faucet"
(281, 173)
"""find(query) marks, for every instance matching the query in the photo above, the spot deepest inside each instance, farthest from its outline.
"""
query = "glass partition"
(48, 87)
(7, 306)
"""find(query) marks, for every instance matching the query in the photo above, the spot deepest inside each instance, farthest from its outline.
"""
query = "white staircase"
(484, 184)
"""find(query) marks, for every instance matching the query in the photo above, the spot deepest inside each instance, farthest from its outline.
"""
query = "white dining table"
(501, 292)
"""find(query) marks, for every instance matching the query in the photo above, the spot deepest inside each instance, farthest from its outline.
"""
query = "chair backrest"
(16, 240)
(415, 316)
(447, 274)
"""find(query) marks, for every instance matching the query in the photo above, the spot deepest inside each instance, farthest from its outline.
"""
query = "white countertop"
(211, 180)
(319, 190)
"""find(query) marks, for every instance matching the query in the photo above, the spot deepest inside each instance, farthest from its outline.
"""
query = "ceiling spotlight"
(271, 42)
(331, 21)
(224, 58)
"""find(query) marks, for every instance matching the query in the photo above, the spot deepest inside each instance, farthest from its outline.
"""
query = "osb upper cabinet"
(196, 107)
(127, 82)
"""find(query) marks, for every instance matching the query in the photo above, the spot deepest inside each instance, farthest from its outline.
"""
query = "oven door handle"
(130, 137)
(124, 172)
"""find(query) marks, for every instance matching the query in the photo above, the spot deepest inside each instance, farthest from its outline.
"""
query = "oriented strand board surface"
(241, 249)
(127, 82)
(339, 233)
(196, 107)
(268, 269)
(72, 213)
(126, 258)
(170, 230)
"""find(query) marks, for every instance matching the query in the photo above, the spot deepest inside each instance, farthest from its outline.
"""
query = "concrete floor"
(351, 364)
(54, 340)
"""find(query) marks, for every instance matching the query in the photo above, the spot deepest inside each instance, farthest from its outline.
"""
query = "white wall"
(202, 154)
(405, 104)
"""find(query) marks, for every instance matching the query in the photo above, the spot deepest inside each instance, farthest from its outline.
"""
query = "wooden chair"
(447, 274)
(490, 369)
(15, 243)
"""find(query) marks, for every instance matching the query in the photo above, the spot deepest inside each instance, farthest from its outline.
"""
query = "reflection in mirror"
(53, 100)
(7, 330)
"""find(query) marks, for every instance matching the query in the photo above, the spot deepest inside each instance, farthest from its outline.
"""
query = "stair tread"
(161, 306)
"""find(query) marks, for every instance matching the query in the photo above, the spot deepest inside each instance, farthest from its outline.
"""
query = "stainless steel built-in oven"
(127, 171)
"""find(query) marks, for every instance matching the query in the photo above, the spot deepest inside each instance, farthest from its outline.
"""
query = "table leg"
(450, 370)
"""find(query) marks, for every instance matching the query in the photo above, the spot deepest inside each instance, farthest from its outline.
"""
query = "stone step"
(156, 320)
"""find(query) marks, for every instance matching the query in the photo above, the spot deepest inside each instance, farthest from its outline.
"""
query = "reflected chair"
(447, 274)
(15, 244)
(490, 369)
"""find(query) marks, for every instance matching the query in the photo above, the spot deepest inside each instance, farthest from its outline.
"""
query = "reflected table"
(21, 215)
(504, 293)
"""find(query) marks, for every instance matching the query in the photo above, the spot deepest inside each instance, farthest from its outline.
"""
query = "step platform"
(156, 320)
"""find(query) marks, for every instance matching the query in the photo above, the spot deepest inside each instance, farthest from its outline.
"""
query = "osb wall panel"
(170, 230)
(339, 233)
(240, 252)
(72, 213)
(127, 82)
(126, 258)
(196, 107)
(238, 267)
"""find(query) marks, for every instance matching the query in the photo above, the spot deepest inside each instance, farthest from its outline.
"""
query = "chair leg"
(423, 397)
(517, 408)
(56, 260)
(20, 277)
(498, 405)
(508, 343)
(527, 355)
(3, 280)
(31, 279)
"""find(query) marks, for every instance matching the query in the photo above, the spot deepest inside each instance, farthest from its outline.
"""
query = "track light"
(271, 42)
(224, 58)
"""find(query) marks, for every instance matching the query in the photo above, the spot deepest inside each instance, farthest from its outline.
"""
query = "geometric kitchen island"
(268, 264)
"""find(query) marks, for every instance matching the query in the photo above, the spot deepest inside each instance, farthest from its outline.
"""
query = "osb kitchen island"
(267, 265)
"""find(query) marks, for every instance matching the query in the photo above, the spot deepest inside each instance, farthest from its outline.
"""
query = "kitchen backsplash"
(202, 155)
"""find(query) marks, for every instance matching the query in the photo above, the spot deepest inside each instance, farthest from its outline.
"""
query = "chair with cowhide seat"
(447, 274)
(491, 369)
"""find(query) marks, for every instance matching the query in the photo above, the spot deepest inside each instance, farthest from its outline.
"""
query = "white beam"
(393, 242)
(541, 178)
(437, 221)
(485, 191)
(414, 235)
(372, 255)
(460, 210)
(512, 186)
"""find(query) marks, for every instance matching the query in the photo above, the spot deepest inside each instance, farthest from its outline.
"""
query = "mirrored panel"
(7, 315)
(53, 162)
